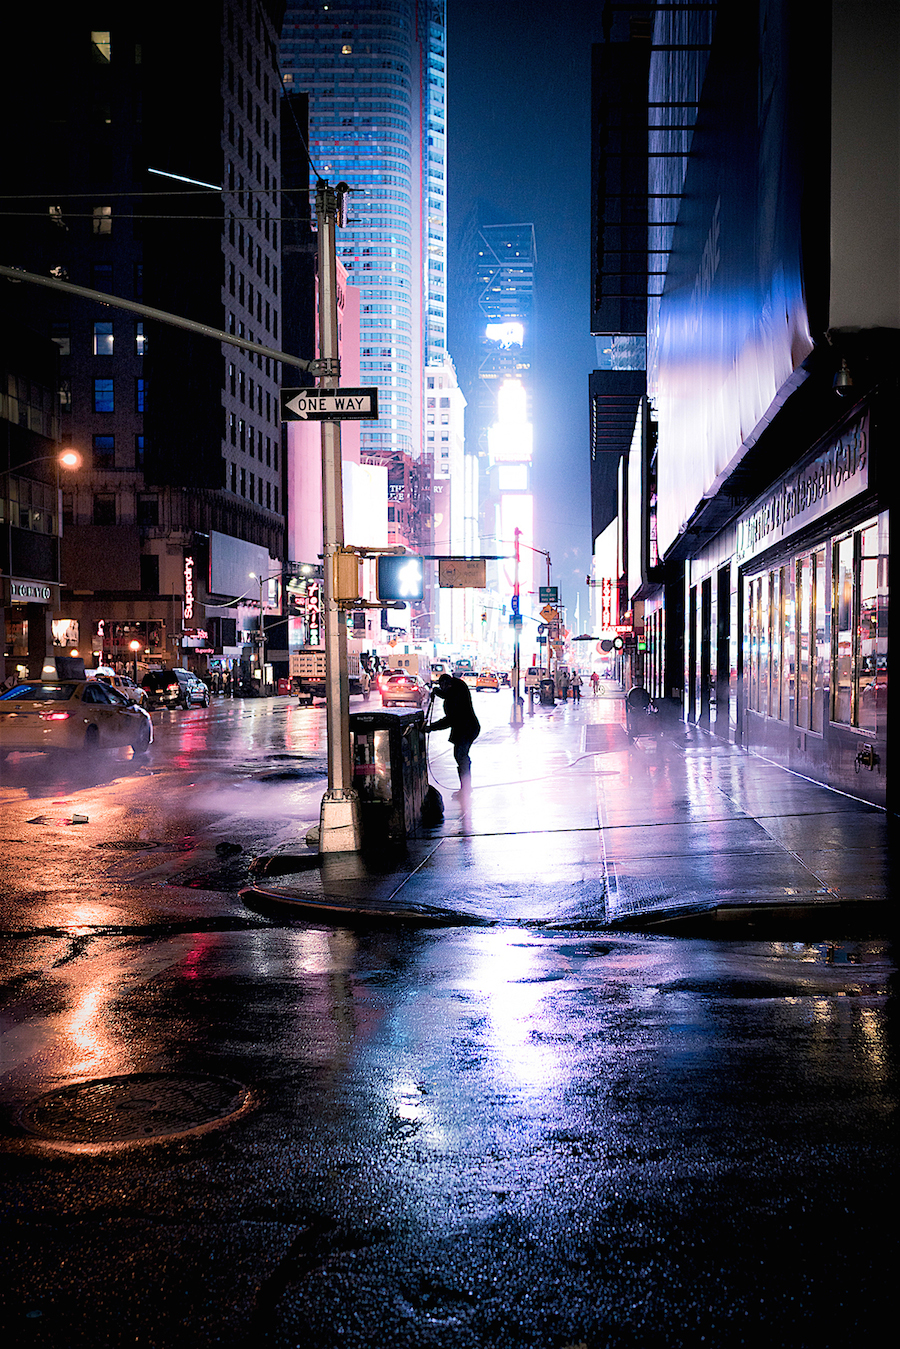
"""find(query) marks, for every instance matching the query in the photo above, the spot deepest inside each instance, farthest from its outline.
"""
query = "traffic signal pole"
(516, 716)
(339, 818)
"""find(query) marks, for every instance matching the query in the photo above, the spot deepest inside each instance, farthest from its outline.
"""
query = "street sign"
(329, 405)
(548, 614)
(548, 594)
(514, 605)
(459, 572)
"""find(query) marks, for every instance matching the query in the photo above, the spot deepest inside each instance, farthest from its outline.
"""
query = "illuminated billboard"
(511, 438)
(505, 334)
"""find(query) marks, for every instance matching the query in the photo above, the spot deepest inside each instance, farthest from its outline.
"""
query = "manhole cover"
(129, 845)
(120, 1112)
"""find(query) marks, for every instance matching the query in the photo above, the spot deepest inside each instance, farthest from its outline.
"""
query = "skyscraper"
(377, 120)
(504, 263)
(148, 169)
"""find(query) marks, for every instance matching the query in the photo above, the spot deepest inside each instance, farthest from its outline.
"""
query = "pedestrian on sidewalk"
(576, 687)
(365, 681)
(459, 716)
(562, 685)
(595, 682)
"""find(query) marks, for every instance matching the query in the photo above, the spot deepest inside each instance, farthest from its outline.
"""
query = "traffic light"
(400, 578)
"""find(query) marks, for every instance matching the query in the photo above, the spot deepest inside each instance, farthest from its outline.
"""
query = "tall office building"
(501, 424)
(375, 77)
(147, 168)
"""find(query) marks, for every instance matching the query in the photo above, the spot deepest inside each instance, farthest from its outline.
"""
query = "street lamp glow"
(69, 459)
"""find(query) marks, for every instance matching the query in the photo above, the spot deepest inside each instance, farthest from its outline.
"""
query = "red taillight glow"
(54, 716)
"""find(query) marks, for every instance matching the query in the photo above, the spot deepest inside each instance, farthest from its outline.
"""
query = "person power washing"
(459, 717)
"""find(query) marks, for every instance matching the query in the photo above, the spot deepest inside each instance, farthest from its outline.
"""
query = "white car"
(70, 714)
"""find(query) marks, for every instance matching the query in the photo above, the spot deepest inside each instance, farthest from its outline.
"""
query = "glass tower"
(375, 76)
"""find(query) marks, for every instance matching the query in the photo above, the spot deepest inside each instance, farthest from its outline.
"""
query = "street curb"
(872, 918)
(334, 910)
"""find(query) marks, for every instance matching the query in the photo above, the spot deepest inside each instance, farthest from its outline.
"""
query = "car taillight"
(172, 688)
(54, 716)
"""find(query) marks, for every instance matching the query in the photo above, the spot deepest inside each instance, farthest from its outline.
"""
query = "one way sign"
(329, 405)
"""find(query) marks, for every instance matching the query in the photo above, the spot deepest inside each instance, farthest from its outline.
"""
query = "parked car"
(70, 714)
(174, 688)
(132, 691)
(403, 687)
(487, 679)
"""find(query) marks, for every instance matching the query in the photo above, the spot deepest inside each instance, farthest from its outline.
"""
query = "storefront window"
(804, 610)
(788, 643)
(820, 668)
(775, 643)
(842, 692)
(872, 628)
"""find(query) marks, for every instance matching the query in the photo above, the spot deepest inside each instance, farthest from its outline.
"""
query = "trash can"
(547, 692)
(390, 773)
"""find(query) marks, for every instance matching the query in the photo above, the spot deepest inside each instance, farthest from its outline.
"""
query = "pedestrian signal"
(400, 578)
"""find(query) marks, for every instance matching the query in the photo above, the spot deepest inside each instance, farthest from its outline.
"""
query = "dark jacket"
(459, 714)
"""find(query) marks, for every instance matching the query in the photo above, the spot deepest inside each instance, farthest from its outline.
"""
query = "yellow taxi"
(487, 679)
(70, 714)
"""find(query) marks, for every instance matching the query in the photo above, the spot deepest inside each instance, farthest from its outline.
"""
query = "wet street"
(227, 1124)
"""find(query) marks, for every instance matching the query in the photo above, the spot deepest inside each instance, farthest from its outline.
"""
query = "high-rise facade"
(504, 262)
(375, 76)
(755, 489)
(181, 492)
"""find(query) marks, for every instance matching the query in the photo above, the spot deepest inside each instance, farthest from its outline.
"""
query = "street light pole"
(339, 817)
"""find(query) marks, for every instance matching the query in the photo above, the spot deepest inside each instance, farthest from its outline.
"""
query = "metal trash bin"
(547, 698)
(390, 772)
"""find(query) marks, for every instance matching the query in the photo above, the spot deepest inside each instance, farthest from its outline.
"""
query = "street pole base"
(340, 829)
(517, 715)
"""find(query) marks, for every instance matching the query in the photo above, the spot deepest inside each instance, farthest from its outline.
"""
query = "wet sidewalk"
(570, 824)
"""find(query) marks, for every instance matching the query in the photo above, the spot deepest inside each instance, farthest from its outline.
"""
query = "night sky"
(518, 114)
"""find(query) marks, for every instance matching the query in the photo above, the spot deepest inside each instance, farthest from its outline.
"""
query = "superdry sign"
(329, 405)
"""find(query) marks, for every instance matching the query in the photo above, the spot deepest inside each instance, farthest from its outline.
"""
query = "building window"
(103, 339)
(140, 341)
(60, 335)
(104, 508)
(147, 509)
(150, 573)
(104, 452)
(140, 395)
(102, 276)
(101, 47)
(104, 399)
(102, 221)
(68, 508)
(859, 628)
(139, 453)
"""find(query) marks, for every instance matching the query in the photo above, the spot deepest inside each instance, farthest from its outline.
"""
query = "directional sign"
(329, 405)
(548, 594)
